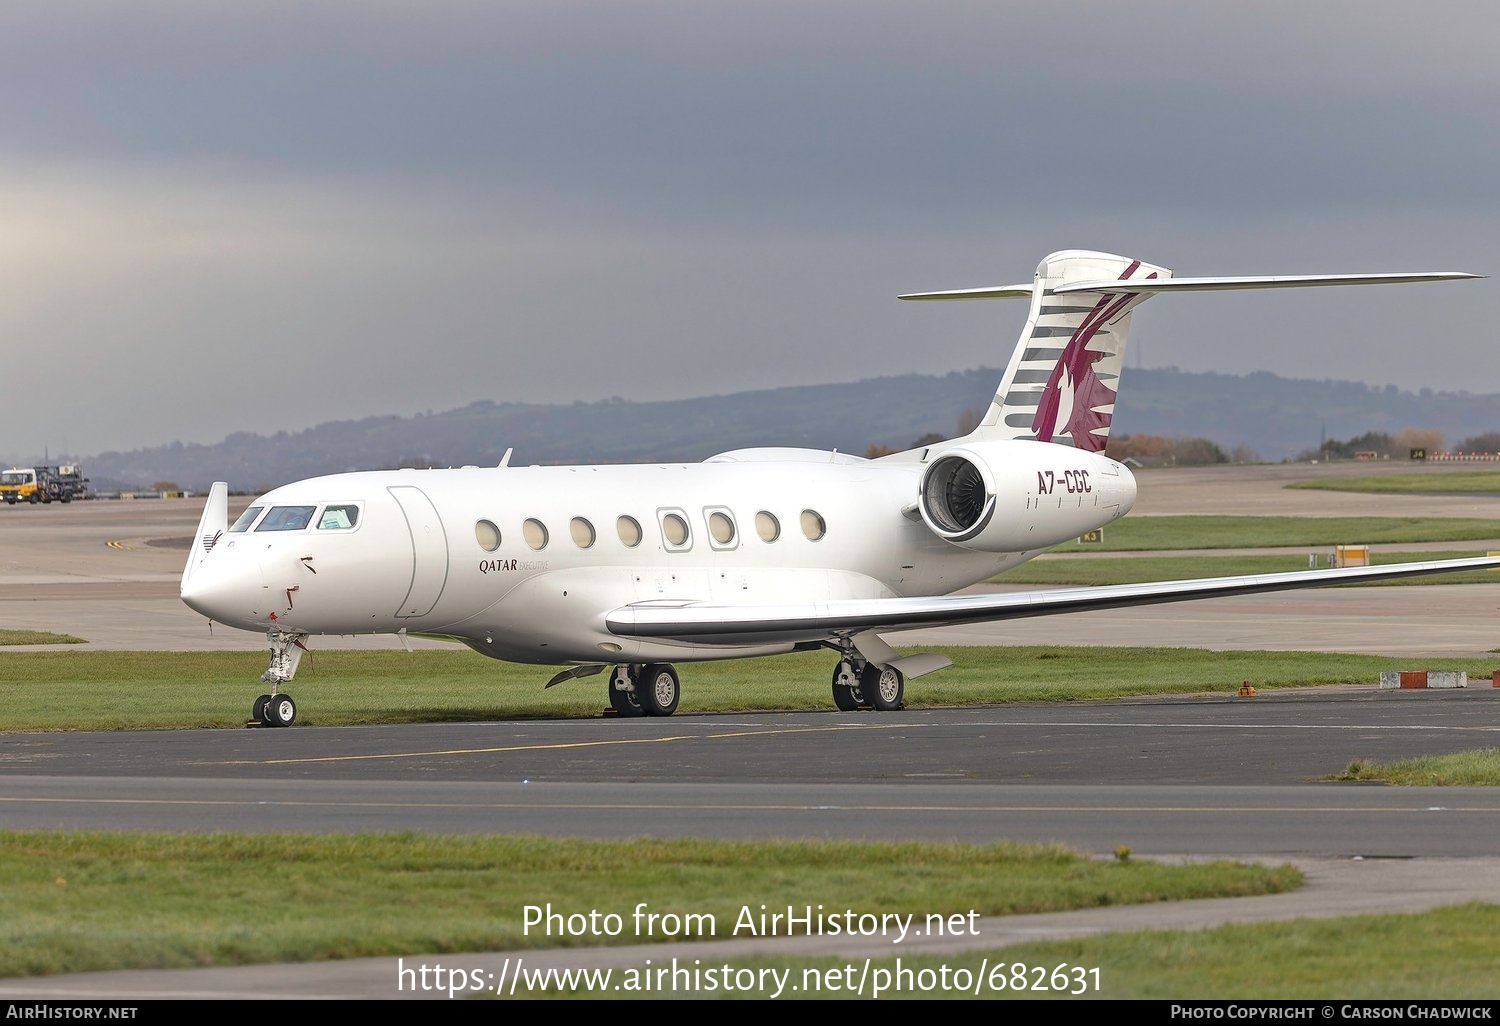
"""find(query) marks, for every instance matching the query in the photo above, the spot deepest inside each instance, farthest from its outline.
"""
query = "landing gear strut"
(644, 689)
(622, 697)
(276, 709)
(846, 693)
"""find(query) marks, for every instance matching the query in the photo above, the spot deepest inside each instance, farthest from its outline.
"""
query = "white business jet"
(754, 552)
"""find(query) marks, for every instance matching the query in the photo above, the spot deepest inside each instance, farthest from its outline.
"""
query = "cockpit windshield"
(338, 517)
(246, 519)
(286, 518)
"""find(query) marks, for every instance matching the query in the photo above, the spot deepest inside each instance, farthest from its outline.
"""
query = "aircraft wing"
(730, 624)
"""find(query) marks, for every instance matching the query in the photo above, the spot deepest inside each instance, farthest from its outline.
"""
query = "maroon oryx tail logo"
(1074, 372)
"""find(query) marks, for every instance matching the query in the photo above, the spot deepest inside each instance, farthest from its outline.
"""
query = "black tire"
(884, 687)
(658, 689)
(624, 703)
(258, 710)
(281, 711)
(846, 695)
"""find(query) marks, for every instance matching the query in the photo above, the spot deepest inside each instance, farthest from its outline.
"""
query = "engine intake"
(958, 497)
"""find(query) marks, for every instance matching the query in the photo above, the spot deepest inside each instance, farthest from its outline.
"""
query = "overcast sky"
(220, 217)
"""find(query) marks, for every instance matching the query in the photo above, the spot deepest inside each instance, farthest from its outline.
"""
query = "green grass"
(1101, 569)
(1142, 534)
(1462, 769)
(1466, 482)
(38, 638)
(1448, 954)
(80, 901)
(86, 690)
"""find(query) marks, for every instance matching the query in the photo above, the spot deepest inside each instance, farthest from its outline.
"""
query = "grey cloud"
(387, 207)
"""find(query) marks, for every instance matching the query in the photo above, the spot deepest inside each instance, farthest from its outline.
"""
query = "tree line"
(1193, 451)
(1142, 450)
(1400, 445)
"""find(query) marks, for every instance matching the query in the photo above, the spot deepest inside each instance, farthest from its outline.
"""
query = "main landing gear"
(858, 684)
(653, 689)
(644, 689)
(276, 709)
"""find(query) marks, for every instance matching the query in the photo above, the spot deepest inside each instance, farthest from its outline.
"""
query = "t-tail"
(1061, 382)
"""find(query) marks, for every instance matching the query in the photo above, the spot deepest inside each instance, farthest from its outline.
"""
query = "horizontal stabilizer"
(1278, 281)
(993, 292)
(1146, 286)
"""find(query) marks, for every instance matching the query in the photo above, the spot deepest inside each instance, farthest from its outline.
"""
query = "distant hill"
(1274, 417)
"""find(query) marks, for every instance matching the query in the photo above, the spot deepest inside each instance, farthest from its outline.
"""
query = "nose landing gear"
(276, 709)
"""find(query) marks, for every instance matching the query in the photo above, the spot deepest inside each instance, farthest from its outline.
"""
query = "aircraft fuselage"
(523, 563)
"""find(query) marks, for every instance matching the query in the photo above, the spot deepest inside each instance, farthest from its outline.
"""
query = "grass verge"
(1140, 534)
(38, 638)
(1140, 569)
(1343, 959)
(1479, 768)
(1466, 482)
(94, 900)
(86, 690)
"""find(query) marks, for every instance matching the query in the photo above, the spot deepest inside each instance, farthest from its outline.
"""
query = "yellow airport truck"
(43, 484)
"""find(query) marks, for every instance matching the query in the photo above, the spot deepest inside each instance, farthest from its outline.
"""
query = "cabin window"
(339, 518)
(487, 535)
(246, 519)
(629, 530)
(767, 526)
(721, 529)
(674, 530)
(535, 533)
(813, 525)
(583, 533)
(287, 518)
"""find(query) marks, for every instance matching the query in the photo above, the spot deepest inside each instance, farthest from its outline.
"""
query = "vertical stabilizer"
(1061, 381)
(211, 527)
(1062, 378)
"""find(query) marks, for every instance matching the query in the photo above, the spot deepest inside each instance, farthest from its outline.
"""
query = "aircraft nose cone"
(227, 587)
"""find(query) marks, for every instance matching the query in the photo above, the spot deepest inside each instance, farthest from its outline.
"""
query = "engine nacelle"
(1019, 496)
